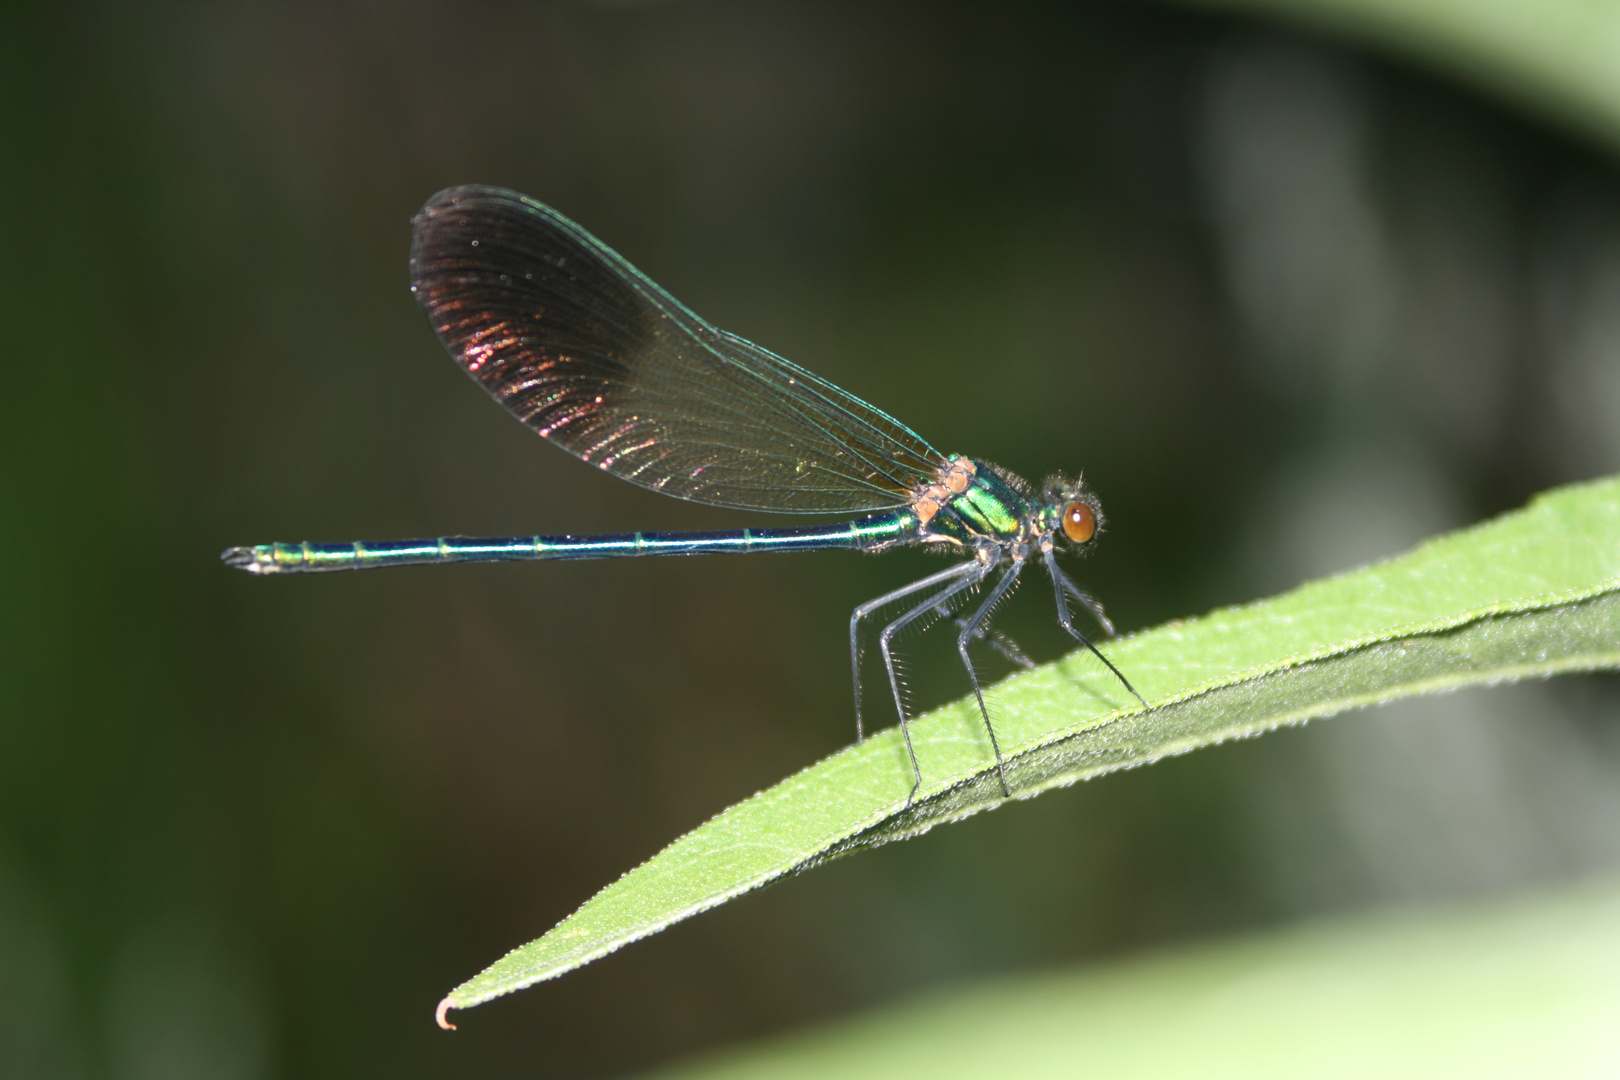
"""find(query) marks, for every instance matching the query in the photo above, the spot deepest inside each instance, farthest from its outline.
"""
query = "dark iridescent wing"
(586, 350)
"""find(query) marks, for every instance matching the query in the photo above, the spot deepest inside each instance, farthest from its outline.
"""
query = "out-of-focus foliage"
(1556, 57)
(1521, 989)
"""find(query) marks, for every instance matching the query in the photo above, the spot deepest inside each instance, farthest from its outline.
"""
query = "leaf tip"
(442, 1014)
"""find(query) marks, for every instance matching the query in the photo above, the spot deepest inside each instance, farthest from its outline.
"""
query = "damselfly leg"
(1003, 584)
(1061, 587)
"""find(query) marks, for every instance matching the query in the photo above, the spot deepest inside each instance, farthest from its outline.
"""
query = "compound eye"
(1079, 522)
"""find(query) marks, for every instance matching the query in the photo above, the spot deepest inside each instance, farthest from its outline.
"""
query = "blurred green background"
(1290, 306)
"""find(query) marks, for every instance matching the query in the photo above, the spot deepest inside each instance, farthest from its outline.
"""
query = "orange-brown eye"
(1079, 522)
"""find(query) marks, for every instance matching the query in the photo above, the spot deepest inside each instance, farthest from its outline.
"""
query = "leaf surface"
(1532, 593)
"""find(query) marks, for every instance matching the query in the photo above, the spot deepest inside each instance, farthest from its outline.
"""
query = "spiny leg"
(998, 641)
(975, 573)
(1004, 583)
(1059, 580)
(959, 570)
(1089, 602)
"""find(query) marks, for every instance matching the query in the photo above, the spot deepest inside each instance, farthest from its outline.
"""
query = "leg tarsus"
(1060, 582)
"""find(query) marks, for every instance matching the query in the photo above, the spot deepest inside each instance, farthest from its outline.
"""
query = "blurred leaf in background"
(1520, 989)
(1291, 307)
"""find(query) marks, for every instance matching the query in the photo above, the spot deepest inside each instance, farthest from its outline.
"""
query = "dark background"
(1290, 307)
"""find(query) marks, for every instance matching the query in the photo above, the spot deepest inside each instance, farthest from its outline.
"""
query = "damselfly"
(591, 354)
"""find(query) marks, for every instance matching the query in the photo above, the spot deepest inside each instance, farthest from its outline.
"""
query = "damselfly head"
(1072, 511)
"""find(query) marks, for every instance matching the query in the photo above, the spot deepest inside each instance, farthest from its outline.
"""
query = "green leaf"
(1532, 593)
(1530, 987)
(1557, 57)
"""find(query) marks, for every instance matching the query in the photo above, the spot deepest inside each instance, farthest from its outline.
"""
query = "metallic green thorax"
(995, 506)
